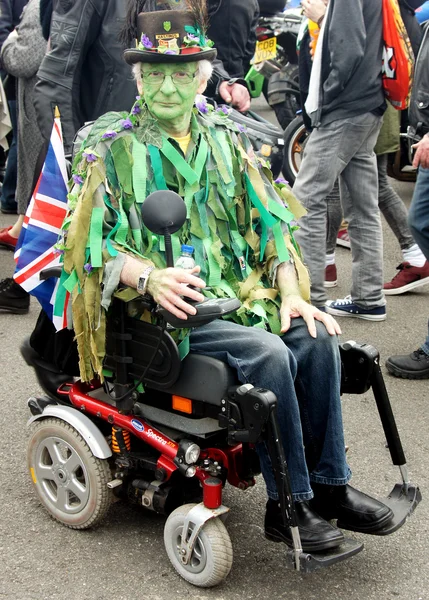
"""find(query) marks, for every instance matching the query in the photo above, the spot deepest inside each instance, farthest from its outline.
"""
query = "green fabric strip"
(155, 159)
(176, 245)
(214, 268)
(264, 240)
(183, 347)
(266, 217)
(282, 251)
(200, 159)
(96, 236)
(137, 236)
(60, 296)
(225, 287)
(176, 158)
(139, 171)
(122, 232)
(280, 211)
(71, 281)
(111, 235)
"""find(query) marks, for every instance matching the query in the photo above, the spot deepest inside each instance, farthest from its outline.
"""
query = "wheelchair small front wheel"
(70, 481)
(211, 558)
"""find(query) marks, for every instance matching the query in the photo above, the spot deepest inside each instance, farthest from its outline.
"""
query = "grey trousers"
(344, 147)
(390, 204)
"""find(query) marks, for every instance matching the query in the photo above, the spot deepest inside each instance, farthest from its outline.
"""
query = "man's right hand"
(168, 286)
(421, 156)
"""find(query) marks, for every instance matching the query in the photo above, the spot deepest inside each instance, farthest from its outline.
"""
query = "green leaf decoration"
(149, 133)
(167, 25)
(109, 121)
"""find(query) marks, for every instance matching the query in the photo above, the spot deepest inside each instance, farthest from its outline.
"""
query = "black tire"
(286, 112)
(295, 138)
(69, 480)
(287, 109)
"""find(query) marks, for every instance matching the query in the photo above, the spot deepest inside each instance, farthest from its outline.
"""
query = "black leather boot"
(13, 297)
(353, 510)
(316, 533)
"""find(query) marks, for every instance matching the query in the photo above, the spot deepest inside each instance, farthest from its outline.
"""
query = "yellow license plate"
(265, 50)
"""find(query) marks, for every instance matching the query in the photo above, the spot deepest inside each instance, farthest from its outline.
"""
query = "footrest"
(402, 500)
(318, 560)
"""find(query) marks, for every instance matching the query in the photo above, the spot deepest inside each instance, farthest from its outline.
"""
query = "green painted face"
(169, 92)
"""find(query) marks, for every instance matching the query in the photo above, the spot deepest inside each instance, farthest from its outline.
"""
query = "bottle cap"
(188, 249)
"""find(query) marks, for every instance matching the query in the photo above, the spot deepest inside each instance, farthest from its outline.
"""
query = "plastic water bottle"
(185, 260)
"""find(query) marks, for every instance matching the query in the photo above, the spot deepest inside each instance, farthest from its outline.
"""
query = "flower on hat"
(145, 42)
(109, 135)
(126, 124)
(88, 267)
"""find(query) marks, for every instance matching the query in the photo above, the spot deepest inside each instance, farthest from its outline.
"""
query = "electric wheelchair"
(173, 445)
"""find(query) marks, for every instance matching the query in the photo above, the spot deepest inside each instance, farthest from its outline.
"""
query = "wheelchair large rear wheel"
(211, 559)
(69, 480)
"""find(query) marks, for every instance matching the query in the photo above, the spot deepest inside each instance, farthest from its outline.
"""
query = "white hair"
(204, 71)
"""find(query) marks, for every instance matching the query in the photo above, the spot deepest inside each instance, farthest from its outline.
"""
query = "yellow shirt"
(183, 142)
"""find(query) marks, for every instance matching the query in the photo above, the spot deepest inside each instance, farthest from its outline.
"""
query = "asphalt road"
(125, 558)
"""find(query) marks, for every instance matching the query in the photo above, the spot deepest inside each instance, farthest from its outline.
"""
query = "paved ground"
(125, 558)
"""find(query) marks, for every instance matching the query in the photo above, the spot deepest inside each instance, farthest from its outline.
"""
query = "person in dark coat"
(10, 13)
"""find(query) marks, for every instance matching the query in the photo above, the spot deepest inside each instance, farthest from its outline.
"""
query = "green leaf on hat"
(167, 25)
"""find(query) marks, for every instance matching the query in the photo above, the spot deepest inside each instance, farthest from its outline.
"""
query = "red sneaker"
(343, 238)
(407, 279)
(7, 240)
(330, 276)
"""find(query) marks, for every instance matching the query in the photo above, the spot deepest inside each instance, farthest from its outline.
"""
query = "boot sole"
(393, 370)
(316, 547)
(330, 284)
(342, 313)
(15, 311)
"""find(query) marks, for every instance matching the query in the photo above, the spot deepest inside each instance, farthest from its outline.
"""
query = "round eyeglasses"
(178, 78)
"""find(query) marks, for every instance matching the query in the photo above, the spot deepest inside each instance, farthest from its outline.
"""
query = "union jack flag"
(41, 230)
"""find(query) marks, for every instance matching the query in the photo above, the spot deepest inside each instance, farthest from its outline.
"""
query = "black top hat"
(169, 36)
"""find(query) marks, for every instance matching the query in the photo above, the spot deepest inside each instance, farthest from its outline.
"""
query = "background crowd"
(69, 54)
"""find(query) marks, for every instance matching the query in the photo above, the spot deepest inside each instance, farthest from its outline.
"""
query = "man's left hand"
(421, 156)
(294, 306)
(236, 94)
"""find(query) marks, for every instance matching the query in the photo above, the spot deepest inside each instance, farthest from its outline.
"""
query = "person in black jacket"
(233, 30)
(84, 74)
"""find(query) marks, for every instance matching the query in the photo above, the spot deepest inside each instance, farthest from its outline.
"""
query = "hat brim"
(133, 56)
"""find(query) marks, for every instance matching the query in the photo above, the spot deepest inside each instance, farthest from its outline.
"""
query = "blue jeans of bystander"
(418, 220)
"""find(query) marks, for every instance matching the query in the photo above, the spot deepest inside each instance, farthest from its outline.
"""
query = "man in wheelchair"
(241, 225)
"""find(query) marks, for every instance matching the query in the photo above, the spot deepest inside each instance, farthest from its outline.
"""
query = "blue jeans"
(418, 220)
(305, 375)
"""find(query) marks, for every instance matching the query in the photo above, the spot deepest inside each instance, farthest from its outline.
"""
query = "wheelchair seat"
(203, 378)
(133, 343)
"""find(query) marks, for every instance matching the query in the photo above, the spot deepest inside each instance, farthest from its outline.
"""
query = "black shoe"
(409, 366)
(353, 510)
(316, 533)
(48, 376)
(13, 297)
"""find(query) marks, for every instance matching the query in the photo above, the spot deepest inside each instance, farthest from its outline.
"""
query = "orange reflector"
(182, 404)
